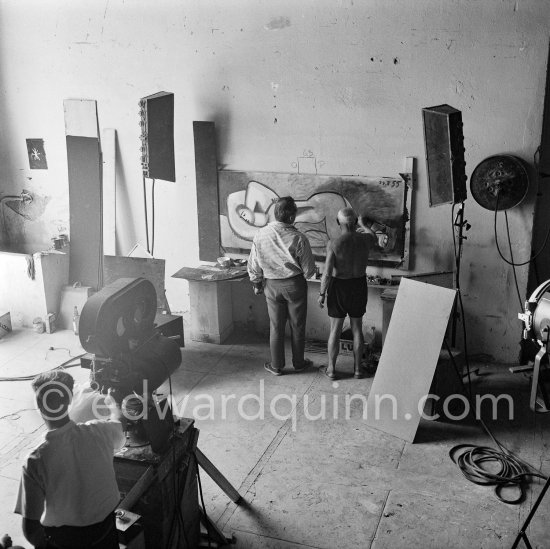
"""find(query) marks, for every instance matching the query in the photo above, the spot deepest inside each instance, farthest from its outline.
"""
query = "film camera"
(130, 357)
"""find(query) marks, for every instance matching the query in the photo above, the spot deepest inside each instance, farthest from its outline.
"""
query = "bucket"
(38, 325)
(346, 343)
(5, 324)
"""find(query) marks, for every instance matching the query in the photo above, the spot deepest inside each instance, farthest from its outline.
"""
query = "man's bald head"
(347, 216)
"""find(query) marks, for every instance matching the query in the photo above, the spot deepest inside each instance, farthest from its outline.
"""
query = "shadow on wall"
(126, 238)
(22, 222)
(440, 258)
(222, 122)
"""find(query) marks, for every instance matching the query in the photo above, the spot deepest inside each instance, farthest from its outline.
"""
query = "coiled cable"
(474, 461)
(511, 472)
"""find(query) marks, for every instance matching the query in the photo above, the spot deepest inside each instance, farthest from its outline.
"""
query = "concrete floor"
(321, 483)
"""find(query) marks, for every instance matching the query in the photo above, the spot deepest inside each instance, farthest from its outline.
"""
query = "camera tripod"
(214, 473)
(154, 467)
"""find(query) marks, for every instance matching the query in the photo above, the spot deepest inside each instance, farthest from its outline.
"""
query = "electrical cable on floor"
(58, 349)
(512, 472)
(63, 366)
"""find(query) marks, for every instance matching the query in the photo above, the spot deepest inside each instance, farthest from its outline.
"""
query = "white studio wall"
(335, 87)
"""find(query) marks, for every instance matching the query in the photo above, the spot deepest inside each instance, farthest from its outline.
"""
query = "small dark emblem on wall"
(37, 154)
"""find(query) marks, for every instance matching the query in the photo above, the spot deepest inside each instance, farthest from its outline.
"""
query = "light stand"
(536, 327)
(522, 534)
(462, 225)
(542, 404)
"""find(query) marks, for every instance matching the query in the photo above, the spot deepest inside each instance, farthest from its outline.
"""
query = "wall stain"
(278, 23)
(104, 17)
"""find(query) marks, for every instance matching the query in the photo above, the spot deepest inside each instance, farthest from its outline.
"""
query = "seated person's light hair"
(54, 391)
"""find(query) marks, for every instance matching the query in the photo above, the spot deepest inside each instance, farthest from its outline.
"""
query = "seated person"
(68, 490)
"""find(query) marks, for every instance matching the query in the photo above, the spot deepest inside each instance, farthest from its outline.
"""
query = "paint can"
(38, 325)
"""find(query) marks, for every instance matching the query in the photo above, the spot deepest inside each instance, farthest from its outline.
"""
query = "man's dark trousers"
(287, 299)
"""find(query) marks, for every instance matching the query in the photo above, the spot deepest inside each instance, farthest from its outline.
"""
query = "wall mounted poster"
(246, 202)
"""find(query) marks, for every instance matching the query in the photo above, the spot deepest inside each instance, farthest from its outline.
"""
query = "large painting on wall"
(246, 203)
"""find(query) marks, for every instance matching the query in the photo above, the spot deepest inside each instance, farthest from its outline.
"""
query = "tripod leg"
(522, 535)
(213, 531)
(214, 473)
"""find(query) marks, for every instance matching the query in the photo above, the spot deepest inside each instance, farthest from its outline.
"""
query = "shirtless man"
(345, 279)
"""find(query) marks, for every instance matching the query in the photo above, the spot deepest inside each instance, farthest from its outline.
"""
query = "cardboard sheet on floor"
(409, 358)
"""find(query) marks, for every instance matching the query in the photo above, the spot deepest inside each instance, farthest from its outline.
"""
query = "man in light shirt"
(280, 261)
(68, 490)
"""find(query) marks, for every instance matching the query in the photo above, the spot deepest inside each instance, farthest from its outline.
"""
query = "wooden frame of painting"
(246, 199)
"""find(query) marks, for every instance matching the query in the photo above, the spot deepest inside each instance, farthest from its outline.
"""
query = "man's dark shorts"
(347, 296)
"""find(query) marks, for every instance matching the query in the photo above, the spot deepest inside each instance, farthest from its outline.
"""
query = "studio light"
(536, 323)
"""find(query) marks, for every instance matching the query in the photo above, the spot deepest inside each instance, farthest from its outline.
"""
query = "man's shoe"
(271, 370)
(307, 364)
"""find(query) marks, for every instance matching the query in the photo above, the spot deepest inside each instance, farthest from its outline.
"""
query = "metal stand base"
(522, 536)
